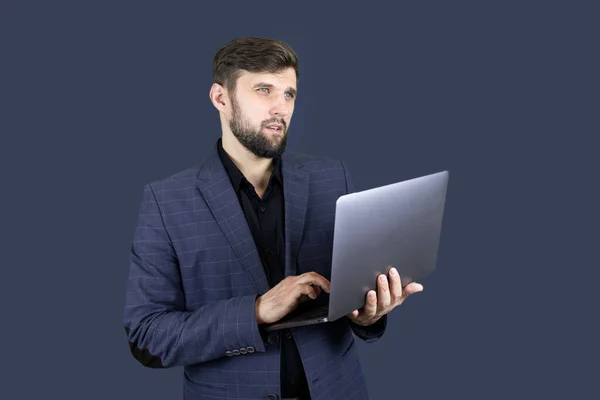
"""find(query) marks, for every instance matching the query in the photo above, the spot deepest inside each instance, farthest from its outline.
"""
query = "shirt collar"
(236, 176)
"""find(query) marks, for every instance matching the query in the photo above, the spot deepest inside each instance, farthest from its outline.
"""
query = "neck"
(256, 169)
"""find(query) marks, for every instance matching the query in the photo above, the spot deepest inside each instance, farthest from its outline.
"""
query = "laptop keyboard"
(316, 313)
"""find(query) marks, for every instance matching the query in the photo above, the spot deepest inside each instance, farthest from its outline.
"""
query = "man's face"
(262, 108)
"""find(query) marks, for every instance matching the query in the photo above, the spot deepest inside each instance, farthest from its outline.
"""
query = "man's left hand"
(388, 296)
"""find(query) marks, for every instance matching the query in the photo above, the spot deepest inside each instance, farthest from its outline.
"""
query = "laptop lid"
(395, 225)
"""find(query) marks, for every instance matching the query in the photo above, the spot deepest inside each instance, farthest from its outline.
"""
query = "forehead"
(282, 80)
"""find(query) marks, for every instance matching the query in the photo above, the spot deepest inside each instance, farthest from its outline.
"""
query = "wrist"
(259, 320)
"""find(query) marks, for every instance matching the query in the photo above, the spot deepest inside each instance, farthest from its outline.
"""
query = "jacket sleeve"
(160, 331)
(373, 332)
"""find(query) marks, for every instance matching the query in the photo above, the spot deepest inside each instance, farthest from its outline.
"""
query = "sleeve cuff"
(242, 336)
(370, 333)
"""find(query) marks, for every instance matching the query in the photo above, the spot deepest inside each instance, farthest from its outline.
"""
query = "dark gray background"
(99, 98)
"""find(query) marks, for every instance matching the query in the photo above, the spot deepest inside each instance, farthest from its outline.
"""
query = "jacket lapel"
(214, 184)
(295, 189)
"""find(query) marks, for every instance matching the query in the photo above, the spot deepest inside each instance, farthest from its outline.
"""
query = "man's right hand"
(287, 295)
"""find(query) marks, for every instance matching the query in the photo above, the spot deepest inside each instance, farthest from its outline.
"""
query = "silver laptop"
(395, 225)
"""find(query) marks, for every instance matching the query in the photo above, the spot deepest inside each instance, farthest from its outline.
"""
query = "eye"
(290, 95)
(265, 90)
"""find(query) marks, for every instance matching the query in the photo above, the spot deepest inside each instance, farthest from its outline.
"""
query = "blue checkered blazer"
(195, 274)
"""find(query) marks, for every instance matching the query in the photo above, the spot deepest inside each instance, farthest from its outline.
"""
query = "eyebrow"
(268, 85)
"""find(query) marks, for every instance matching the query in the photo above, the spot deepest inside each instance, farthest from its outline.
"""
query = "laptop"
(395, 225)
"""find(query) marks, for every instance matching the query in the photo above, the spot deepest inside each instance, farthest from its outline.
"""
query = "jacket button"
(236, 352)
(243, 351)
(228, 353)
(272, 396)
(250, 349)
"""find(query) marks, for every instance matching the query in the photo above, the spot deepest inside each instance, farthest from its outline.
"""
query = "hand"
(385, 300)
(287, 295)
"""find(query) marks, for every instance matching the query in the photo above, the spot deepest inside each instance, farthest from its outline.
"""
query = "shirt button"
(262, 209)
(288, 335)
(270, 250)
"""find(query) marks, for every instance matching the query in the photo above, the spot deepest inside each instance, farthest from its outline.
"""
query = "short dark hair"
(252, 54)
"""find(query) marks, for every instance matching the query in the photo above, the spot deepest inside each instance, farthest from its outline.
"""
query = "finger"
(395, 285)
(308, 290)
(316, 288)
(370, 308)
(383, 292)
(412, 288)
(316, 279)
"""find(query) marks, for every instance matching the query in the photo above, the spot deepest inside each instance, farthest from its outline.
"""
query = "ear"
(218, 96)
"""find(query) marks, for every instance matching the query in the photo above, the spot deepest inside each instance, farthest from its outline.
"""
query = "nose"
(281, 108)
(280, 111)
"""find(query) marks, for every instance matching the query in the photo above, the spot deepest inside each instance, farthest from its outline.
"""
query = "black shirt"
(266, 218)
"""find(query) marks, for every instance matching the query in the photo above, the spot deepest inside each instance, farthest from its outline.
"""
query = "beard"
(257, 142)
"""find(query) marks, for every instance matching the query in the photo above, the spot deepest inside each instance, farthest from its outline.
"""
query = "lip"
(277, 125)
(273, 132)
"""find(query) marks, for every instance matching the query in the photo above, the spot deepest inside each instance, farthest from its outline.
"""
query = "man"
(241, 240)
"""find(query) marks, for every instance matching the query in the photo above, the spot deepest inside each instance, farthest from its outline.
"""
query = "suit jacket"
(195, 274)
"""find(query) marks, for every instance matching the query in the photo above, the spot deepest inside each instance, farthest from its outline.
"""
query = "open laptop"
(395, 225)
